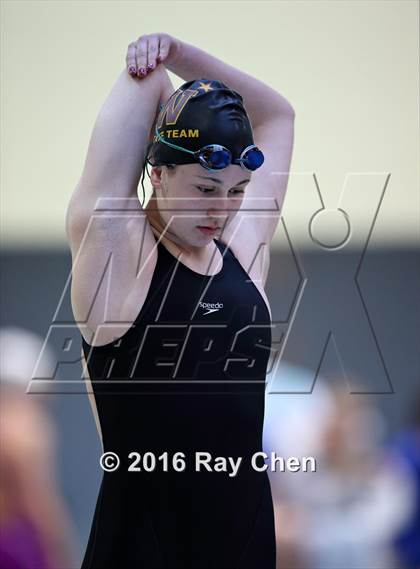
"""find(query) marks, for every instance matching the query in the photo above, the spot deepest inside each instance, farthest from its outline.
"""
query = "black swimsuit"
(187, 377)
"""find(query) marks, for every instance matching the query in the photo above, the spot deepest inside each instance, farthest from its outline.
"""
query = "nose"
(219, 206)
(219, 216)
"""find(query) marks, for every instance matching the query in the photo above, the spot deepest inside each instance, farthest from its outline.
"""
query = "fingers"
(130, 59)
(153, 52)
(145, 54)
(141, 56)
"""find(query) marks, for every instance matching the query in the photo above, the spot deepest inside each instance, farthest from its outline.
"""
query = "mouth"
(208, 229)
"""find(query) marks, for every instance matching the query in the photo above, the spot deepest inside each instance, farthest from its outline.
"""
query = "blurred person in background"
(347, 513)
(363, 493)
(35, 530)
(407, 446)
(294, 426)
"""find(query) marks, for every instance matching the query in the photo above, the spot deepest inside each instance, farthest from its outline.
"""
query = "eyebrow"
(217, 181)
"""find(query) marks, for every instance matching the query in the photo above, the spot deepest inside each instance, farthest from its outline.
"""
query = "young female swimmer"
(170, 304)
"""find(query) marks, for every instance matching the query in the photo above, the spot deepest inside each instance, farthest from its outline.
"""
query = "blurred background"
(343, 285)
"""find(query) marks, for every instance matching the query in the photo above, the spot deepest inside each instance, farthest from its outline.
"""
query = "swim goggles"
(216, 157)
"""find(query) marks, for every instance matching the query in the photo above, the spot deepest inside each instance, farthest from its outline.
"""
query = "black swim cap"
(201, 112)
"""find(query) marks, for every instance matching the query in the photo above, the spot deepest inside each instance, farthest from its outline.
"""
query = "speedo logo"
(211, 307)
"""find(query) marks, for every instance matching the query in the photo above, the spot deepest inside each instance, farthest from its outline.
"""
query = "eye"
(207, 190)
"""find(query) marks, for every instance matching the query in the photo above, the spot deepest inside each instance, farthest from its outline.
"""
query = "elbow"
(288, 110)
(285, 108)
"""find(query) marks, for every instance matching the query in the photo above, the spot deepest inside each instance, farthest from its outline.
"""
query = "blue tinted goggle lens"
(219, 159)
(253, 159)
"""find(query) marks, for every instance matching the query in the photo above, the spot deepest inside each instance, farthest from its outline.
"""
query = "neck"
(158, 228)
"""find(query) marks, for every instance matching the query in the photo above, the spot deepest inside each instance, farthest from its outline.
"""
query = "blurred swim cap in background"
(201, 112)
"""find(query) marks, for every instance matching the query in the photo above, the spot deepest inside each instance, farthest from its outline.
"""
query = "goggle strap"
(173, 145)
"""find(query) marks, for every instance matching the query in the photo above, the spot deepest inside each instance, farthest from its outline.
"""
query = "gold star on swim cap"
(205, 86)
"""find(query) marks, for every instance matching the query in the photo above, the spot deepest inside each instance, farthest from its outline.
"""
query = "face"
(191, 196)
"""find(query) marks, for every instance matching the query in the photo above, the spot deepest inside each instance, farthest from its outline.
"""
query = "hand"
(148, 51)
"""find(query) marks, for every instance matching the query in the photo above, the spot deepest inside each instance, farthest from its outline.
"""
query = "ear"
(156, 176)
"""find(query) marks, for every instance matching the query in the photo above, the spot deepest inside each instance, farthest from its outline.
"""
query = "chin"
(203, 237)
(192, 240)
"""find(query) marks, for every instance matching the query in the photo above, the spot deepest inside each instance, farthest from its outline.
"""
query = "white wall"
(350, 69)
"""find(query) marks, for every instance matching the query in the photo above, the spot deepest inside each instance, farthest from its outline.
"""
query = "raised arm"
(260, 100)
(107, 247)
(118, 142)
